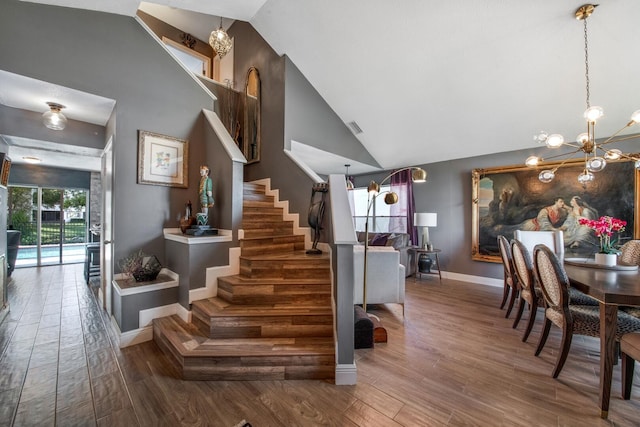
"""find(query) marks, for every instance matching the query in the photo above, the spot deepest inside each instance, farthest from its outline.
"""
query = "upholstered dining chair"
(572, 319)
(630, 252)
(555, 241)
(552, 239)
(630, 351)
(529, 293)
(510, 291)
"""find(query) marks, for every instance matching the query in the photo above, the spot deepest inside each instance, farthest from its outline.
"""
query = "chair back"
(630, 252)
(523, 265)
(505, 254)
(552, 279)
(552, 239)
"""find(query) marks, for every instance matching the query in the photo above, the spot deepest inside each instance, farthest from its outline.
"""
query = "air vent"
(354, 128)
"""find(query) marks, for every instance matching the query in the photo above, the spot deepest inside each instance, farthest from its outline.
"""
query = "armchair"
(385, 275)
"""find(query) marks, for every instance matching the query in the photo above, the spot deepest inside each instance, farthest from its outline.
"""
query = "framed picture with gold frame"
(162, 160)
(5, 168)
(505, 199)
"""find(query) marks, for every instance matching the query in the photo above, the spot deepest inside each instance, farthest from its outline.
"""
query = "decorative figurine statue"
(206, 195)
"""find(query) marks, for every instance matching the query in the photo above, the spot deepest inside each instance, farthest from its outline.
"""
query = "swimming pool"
(71, 253)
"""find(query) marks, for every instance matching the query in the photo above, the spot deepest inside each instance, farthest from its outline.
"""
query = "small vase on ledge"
(606, 259)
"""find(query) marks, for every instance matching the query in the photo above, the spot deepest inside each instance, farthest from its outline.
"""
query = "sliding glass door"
(52, 223)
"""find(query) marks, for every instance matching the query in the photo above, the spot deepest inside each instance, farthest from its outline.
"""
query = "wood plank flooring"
(454, 360)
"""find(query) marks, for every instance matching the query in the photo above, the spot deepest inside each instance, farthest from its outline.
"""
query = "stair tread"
(191, 342)
(217, 307)
(248, 281)
(293, 255)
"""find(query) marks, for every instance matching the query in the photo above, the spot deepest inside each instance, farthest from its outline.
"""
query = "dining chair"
(529, 292)
(572, 319)
(555, 240)
(510, 281)
(630, 351)
(630, 254)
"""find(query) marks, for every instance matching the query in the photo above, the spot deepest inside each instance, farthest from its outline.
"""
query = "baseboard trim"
(145, 332)
(211, 277)
(346, 374)
(487, 281)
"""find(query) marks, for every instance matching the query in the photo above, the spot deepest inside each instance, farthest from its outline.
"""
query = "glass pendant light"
(546, 176)
(53, 118)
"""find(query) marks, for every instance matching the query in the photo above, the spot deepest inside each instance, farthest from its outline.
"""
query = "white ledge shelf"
(125, 286)
(176, 235)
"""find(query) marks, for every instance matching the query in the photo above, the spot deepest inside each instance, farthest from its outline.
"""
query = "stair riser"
(268, 327)
(271, 248)
(267, 232)
(259, 204)
(269, 225)
(167, 347)
(320, 299)
(259, 211)
(252, 188)
(259, 373)
(261, 271)
(259, 197)
(270, 332)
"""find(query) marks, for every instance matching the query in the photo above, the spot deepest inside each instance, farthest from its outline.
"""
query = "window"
(380, 218)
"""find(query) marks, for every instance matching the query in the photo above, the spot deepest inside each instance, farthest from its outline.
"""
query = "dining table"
(611, 287)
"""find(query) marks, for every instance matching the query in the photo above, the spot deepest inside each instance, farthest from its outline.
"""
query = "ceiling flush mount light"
(53, 118)
(31, 159)
(220, 41)
(596, 154)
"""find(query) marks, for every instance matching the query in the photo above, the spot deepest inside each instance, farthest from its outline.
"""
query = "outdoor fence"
(51, 233)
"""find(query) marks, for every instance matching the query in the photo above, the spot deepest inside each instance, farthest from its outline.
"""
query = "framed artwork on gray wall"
(162, 160)
(512, 198)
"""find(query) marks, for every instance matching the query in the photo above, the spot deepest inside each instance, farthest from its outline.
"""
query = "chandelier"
(220, 41)
(596, 154)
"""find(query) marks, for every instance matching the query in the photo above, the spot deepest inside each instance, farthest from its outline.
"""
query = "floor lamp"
(373, 190)
(425, 220)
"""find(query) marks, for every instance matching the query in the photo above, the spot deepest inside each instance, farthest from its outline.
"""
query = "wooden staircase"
(273, 321)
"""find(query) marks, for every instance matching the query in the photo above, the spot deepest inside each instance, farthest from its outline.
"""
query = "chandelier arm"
(610, 140)
(628, 157)
(573, 144)
(563, 154)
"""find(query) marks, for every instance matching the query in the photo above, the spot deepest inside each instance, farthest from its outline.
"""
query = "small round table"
(435, 252)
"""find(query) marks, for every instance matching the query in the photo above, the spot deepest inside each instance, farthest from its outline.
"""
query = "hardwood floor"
(454, 361)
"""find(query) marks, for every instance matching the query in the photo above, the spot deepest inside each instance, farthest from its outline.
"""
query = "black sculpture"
(316, 214)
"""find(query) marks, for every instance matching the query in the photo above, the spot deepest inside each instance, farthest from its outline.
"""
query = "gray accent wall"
(251, 50)
(115, 57)
(291, 109)
(448, 192)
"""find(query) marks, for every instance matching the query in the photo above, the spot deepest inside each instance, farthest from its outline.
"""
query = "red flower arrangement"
(604, 228)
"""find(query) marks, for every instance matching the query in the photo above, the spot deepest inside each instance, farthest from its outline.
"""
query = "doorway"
(52, 223)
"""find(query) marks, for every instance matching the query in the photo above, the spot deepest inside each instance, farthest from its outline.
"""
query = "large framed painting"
(162, 160)
(512, 198)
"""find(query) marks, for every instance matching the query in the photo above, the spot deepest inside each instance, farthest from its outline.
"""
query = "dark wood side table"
(417, 251)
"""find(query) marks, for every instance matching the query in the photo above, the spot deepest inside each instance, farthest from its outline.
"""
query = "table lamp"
(425, 220)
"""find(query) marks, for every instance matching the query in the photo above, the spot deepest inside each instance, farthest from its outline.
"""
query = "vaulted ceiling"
(429, 80)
